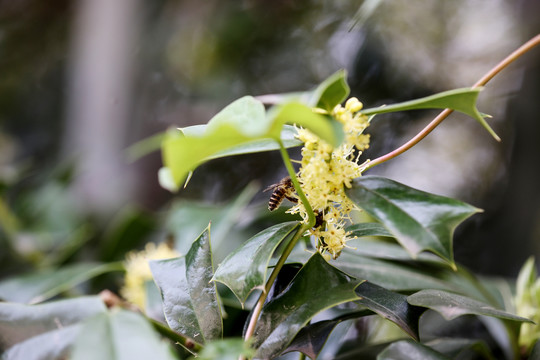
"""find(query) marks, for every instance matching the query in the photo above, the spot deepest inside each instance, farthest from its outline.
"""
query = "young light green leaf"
(247, 115)
(297, 113)
(331, 91)
(189, 298)
(20, 322)
(40, 286)
(451, 305)
(245, 268)
(462, 100)
(119, 335)
(391, 306)
(410, 350)
(418, 220)
(316, 287)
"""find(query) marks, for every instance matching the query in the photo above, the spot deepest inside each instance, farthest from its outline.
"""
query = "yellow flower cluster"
(138, 271)
(324, 173)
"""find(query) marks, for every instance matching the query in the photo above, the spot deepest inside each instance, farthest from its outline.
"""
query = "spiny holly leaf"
(410, 350)
(316, 287)
(462, 100)
(311, 339)
(245, 269)
(119, 335)
(242, 123)
(20, 322)
(391, 306)
(418, 220)
(451, 305)
(189, 298)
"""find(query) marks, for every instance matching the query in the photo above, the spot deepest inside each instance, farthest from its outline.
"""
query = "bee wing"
(271, 187)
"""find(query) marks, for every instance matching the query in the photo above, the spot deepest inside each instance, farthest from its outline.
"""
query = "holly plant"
(360, 267)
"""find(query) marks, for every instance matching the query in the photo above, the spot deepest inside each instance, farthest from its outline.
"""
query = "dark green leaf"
(228, 349)
(410, 350)
(418, 220)
(199, 272)
(391, 306)
(462, 100)
(311, 338)
(20, 322)
(391, 275)
(119, 335)
(461, 349)
(450, 305)
(245, 268)
(316, 287)
(368, 229)
(190, 300)
(37, 287)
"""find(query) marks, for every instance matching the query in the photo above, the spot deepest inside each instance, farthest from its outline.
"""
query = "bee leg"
(291, 199)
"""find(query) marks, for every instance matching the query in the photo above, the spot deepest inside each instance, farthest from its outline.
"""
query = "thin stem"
(446, 112)
(258, 307)
(290, 246)
(299, 192)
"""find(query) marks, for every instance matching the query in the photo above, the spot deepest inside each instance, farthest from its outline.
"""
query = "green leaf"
(410, 350)
(391, 306)
(393, 276)
(316, 287)
(331, 91)
(119, 335)
(20, 322)
(228, 349)
(189, 298)
(54, 344)
(418, 220)
(368, 229)
(297, 113)
(462, 349)
(312, 338)
(243, 127)
(245, 268)
(40, 286)
(451, 306)
(246, 115)
(462, 100)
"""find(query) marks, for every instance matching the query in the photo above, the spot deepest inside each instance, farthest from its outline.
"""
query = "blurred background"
(81, 81)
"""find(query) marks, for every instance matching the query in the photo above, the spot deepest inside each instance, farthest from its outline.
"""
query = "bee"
(284, 189)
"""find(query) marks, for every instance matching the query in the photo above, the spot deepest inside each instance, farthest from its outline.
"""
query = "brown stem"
(446, 112)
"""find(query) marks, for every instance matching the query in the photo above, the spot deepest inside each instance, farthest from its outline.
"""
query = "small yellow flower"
(138, 271)
(325, 172)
